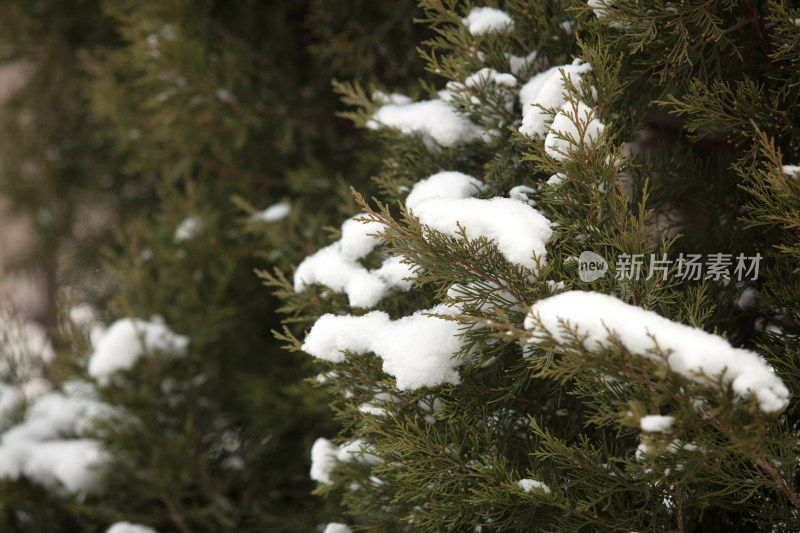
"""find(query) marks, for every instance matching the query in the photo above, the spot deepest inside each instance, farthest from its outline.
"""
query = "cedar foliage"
(699, 102)
(162, 113)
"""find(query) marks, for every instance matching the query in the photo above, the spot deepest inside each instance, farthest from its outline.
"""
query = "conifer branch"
(762, 29)
(163, 495)
(762, 464)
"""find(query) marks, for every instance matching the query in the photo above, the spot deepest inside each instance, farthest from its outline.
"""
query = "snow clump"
(547, 89)
(570, 127)
(127, 340)
(519, 231)
(519, 64)
(188, 229)
(324, 455)
(39, 447)
(692, 352)
(336, 527)
(417, 350)
(529, 485)
(448, 184)
(432, 120)
(273, 213)
(488, 75)
(602, 9)
(482, 20)
(127, 527)
(656, 423)
(338, 266)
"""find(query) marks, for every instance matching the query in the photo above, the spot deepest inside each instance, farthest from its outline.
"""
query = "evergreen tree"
(574, 303)
(171, 406)
(57, 170)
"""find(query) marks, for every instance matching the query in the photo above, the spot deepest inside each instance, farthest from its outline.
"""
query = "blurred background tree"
(143, 146)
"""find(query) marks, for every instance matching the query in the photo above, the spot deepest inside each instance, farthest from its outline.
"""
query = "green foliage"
(545, 431)
(184, 120)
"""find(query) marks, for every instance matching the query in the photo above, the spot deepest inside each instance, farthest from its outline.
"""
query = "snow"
(324, 455)
(447, 184)
(84, 317)
(547, 89)
(323, 460)
(792, 171)
(519, 231)
(488, 75)
(579, 125)
(656, 423)
(417, 350)
(188, 229)
(38, 447)
(693, 353)
(529, 485)
(393, 98)
(520, 193)
(357, 450)
(676, 446)
(371, 409)
(603, 8)
(127, 340)
(482, 20)
(336, 527)
(273, 213)
(431, 119)
(556, 179)
(338, 266)
(127, 527)
(518, 64)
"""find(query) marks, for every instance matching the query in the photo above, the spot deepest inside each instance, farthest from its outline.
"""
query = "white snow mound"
(692, 351)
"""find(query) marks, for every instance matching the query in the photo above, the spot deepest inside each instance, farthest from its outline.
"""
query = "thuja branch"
(762, 464)
(388, 220)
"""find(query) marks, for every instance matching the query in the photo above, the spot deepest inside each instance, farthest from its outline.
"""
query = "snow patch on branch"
(693, 353)
(547, 89)
(127, 527)
(325, 454)
(602, 9)
(519, 231)
(273, 213)
(793, 171)
(417, 350)
(127, 340)
(656, 423)
(489, 75)
(338, 266)
(433, 120)
(337, 527)
(40, 447)
(482, 20)
(530, 485)
(188, 229)
(519, 64)
(572, 127)
(448, 184)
